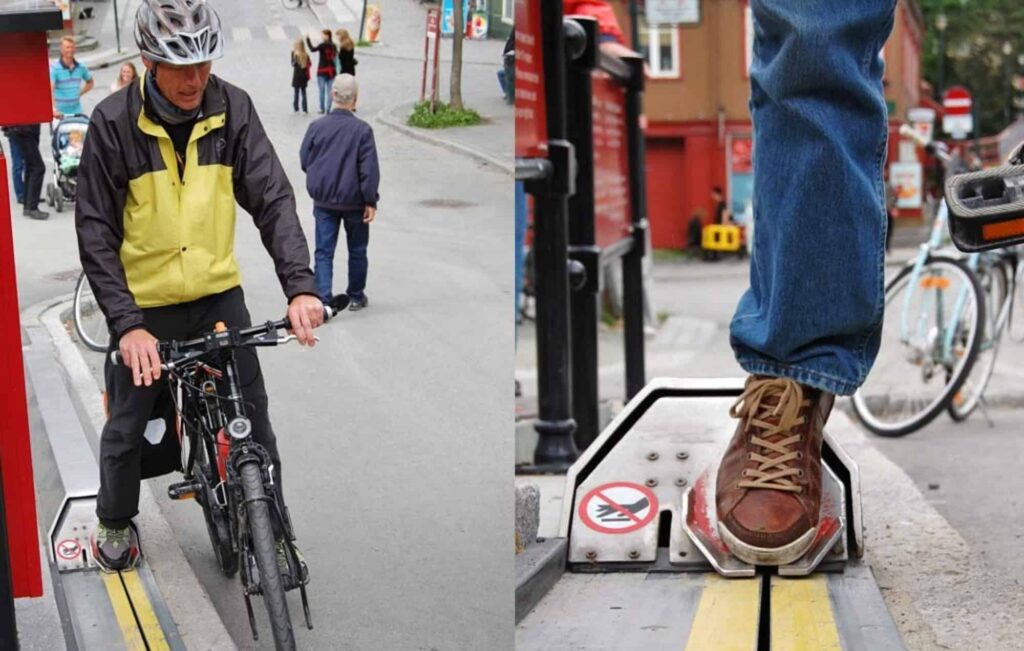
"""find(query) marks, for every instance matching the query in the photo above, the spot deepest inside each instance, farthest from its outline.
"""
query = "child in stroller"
(68, 140)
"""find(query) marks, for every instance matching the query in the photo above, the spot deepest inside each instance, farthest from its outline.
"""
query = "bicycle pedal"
(184, 490)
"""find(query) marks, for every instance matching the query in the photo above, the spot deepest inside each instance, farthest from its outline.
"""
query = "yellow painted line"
(802, 618)
(727, 615)
(123, 612)
(144, 611)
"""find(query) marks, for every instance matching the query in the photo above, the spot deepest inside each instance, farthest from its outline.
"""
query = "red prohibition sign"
(68, 549)
(619, 507)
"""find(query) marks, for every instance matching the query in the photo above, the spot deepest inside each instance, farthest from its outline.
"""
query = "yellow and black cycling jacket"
(149, 237)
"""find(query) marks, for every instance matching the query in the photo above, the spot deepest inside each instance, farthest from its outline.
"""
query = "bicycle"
(295, 4)
(90, 323)
(228, 473)
(934, 337)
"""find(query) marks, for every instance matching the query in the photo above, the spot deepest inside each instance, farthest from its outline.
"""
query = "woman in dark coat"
(300, 75)
(346, 53)
(325, 68)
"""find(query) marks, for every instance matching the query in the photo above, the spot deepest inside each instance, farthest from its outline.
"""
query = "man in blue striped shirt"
(70, 80)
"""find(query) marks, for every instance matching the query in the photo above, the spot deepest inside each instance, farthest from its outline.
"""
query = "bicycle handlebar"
(184, 351)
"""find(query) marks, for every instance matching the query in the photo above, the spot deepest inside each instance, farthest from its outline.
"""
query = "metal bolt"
(591, 555)
(681, 482)
(682, 552)
(651, 483)
(682, 456)
(634, 554)
(653, 456)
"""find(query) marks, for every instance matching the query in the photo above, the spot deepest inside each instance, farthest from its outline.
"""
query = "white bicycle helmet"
(179, 32)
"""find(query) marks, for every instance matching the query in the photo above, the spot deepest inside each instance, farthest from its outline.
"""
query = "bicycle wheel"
(930, 337)
(261, 536)
(90, 324)
(995, 283)
(319, 2)
(1015, 326)
(291, 4)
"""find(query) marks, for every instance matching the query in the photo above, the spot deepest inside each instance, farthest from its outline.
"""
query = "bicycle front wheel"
(291, 4)
(319, 2)
(994, 280)
(1015, 326)
(90, 324)
(261, 536)
(930, 336)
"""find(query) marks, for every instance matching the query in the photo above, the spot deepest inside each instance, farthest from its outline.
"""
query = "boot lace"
(773, 456)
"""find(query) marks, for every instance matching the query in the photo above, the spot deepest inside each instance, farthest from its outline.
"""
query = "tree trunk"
(458, 27)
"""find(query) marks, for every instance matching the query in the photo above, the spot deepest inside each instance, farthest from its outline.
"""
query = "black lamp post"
(1008, 110)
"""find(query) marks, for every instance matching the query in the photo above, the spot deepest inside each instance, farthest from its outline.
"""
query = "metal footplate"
(643, 493)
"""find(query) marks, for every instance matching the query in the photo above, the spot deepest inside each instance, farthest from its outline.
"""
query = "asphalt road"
(394, 430)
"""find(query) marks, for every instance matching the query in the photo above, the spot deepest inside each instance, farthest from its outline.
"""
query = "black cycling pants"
(131, 407)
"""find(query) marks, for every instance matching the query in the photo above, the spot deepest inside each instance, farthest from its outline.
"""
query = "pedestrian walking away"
(300, 75)
(325, 68)
(70, 80)
(26, 140)
(156, 272)
(346, 53)
(808, 327)
(339, 157)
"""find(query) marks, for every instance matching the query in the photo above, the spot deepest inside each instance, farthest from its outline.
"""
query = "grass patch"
(442, 117)
(364, 43)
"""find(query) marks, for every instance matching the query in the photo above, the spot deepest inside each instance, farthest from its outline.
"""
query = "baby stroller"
(68, 140)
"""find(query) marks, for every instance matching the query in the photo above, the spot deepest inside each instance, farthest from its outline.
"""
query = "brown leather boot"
(768, 492)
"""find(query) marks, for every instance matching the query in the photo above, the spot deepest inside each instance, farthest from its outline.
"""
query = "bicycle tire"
(291, 4)
(1015, 324)
(261, 535)
(995, 283)
(953, 383)
(99, 341)
(319, 2)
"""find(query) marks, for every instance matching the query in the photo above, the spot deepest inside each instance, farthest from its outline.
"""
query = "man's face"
(182, 86)
(67, 50)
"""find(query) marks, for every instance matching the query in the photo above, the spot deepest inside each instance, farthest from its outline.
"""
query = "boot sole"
(783, 555)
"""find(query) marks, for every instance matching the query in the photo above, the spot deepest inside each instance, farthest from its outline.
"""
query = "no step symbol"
(69, 550)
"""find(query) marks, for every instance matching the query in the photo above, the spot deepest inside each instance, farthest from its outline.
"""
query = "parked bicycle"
(934, 329)
(90, 323)
(228, 473)
(295, 4)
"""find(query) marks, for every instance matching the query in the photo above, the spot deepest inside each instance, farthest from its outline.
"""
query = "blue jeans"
(813, 312)
(324, 84)
(520, 243)
(357, 234)
(18, 170)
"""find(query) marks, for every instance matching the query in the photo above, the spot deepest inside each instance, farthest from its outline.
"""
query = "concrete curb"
(189, 603)
(385, 117)
(537, 570)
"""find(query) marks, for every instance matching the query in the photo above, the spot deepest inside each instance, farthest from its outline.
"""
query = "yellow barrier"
(717, 237)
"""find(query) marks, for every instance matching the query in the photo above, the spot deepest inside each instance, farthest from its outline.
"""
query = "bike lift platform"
(119, 611)
(638, 563)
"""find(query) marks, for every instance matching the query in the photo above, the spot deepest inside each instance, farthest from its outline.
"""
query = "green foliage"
(364, 43)
(442, 117)
(974, 40)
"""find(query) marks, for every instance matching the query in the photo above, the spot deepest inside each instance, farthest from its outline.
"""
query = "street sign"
(958, 120)
(923, 120)
(611, 161)
(672, 12)
(530, 108)
(618, 508)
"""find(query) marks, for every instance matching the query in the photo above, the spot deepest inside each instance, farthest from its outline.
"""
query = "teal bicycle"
(936, 325)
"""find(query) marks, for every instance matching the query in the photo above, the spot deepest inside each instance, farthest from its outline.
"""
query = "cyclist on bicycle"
(166, 159)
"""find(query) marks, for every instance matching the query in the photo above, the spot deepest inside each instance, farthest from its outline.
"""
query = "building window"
(506, 11)
(660, 46)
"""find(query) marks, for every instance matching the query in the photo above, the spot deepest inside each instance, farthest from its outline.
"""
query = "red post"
(24, 72)
(433, 25)
(437, 65)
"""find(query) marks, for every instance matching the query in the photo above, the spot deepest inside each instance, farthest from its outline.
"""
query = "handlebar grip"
(986, 209)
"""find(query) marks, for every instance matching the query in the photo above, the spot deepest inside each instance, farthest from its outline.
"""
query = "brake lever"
(284, 340)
